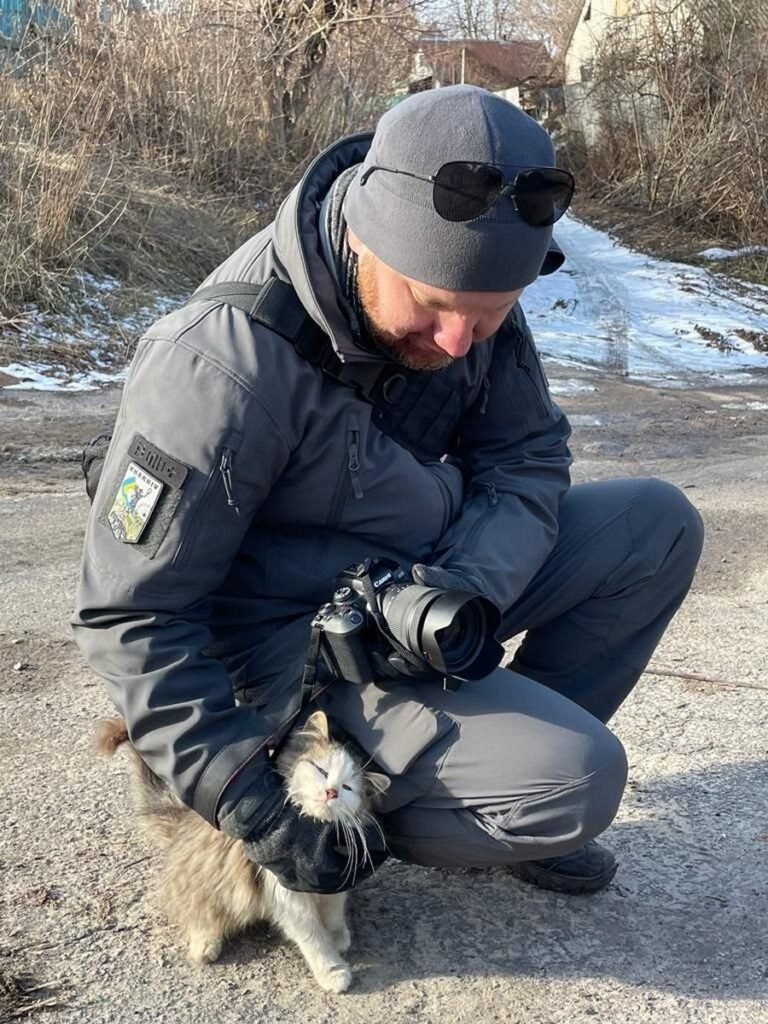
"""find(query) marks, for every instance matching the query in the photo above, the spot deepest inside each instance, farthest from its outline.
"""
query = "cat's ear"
(318, 722)
(376, 784)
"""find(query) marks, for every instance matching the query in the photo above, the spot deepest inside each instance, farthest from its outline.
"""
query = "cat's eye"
(322, 771)
(345, 786)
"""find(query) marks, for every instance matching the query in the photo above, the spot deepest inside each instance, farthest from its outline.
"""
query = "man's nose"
(454, 334)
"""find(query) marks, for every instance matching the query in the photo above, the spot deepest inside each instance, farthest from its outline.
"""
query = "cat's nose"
(331, 793)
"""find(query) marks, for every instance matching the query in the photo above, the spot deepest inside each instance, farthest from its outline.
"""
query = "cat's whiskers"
(364, 766)
(352, 822)
(366, 816)
(346, 839)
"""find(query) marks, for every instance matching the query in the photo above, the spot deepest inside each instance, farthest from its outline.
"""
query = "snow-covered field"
(619, 311)
(609, 310)
(92, 331)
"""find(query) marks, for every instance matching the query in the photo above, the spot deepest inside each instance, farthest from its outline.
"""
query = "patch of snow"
(582, 420)
(40, 377)
(90, 323)
(88, 283)
(635, 316)
(731, 254)
(571, 386)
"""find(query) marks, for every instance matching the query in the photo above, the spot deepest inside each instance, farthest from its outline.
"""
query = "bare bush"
(680, 96)
(546, 21)
(147, 143)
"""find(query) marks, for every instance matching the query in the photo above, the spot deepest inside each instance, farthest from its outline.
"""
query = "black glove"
(314, 856)
(445, 579)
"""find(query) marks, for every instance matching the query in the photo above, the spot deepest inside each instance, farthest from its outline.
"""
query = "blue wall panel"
(15, 15)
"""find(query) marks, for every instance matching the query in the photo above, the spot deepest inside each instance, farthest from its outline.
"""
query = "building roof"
(514, 60)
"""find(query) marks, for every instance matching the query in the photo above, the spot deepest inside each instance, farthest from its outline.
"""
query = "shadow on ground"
(686, 913)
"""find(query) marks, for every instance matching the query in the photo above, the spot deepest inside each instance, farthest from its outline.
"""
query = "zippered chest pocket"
(383, 491)
(348, 478)
(213, 505)
(528, 386)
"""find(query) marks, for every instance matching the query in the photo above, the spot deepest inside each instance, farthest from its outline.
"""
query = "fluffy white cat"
(210, 888)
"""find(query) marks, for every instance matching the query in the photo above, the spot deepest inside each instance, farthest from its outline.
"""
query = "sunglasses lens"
(543, 195)
(464, 190)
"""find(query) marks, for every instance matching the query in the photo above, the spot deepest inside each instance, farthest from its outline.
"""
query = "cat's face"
(323, 778)
(325, 782)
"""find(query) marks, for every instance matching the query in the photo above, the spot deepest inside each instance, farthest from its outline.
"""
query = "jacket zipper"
(523, 365)
(493, 496)
(535, 386)
(225, 468)
(353, 464)
(486, 394)
(348, 478)
(490, 509)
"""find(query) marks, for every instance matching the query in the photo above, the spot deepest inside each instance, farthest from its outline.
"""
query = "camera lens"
(459, 641)
(450, 629)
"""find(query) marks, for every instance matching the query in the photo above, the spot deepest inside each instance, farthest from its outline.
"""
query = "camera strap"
(276, 306)
(312, 682)
(311, 665)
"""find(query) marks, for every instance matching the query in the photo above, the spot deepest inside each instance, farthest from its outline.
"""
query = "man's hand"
(314, 856)
(445, 579)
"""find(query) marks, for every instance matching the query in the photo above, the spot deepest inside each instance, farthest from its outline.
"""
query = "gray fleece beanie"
(395, 217)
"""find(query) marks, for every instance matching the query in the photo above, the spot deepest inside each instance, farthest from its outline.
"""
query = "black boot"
(586, 870)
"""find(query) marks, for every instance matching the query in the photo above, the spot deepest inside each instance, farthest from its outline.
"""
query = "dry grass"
(21, 996)
(147, 146)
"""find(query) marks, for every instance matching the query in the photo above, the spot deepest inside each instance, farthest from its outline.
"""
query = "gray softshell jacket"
(264, 477)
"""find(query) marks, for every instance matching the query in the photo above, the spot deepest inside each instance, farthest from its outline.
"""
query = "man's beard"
(397, 347)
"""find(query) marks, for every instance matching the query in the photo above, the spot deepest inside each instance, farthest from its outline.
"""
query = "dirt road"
(680, 936)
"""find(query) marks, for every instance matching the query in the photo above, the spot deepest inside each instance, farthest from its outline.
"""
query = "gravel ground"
(680, 936)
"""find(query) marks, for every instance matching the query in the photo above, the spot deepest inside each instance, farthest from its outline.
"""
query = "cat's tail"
(110, 733)
(159, 808)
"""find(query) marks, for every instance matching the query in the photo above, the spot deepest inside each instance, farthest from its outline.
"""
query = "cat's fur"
(210, 888)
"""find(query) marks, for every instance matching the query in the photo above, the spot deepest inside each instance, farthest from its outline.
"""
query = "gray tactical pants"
(520, 765)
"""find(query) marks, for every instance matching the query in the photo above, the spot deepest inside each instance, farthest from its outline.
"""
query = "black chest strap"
(276, 306)
(415, 408)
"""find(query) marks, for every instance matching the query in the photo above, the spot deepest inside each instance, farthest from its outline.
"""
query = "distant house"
(518, 69)
(638, 24)
(595, 18)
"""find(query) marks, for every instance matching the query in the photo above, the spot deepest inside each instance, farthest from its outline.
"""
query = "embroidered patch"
(133, 504)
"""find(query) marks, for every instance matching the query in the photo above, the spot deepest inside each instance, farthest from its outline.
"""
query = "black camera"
(381, 623)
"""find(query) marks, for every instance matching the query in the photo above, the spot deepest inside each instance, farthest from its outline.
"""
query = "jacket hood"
(297, 244)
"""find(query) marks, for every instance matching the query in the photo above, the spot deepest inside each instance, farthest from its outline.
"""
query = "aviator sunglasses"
(464, 189)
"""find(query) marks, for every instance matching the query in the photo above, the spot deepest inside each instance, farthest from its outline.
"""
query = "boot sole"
(567, 885)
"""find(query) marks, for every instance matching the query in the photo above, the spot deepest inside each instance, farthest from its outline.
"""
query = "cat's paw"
(342, 939)
(335, 979)
(205, 949)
